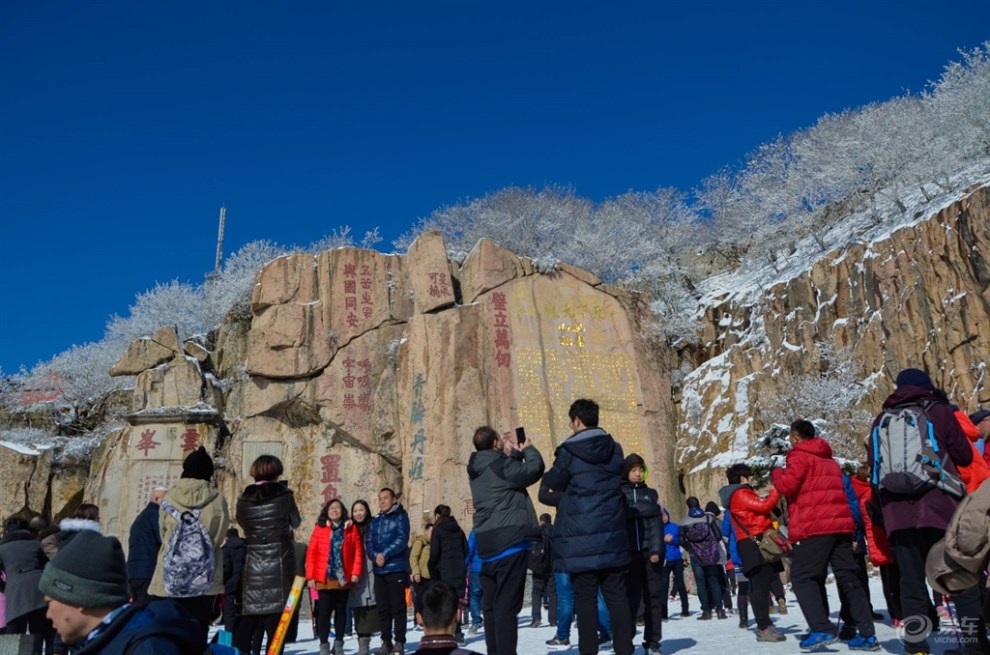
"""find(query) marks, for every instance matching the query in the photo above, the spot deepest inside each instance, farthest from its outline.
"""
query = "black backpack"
(539, 557)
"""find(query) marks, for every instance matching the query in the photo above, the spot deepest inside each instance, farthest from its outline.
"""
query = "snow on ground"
(681, 635)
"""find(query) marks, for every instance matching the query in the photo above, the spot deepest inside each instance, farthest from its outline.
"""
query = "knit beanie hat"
(915, 377)
(198, 466)
(89, 571)
(631, 461)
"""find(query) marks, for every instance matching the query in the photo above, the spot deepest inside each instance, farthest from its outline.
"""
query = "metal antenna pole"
(223, 219)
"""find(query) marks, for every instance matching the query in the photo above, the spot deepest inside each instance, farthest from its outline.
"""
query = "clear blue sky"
(124, 126)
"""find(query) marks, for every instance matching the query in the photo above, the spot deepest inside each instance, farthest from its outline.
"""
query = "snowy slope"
(686, 634)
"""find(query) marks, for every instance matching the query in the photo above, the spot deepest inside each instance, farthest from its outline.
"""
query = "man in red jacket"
(821, 529)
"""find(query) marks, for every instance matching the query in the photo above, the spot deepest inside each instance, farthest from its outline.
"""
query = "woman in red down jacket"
(334, 561)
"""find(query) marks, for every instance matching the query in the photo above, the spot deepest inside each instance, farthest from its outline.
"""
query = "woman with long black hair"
(361, 601)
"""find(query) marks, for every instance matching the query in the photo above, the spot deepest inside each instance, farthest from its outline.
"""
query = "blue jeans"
(474, 596)
(565, 605)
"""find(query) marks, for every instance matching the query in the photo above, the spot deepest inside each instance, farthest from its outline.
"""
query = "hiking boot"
(705, 616)
(474, 629)
(722, 615)
(877, 616)
(816, 640)
(385, 648)
(652, 649)
(604, 642)
(864, 643)
(769, 634)
(338, 647)
(324, 649)
(685, 613)
(782, 605)
(459, 638)
(772, 609)
(557, 642)
(400, 648)
(535, 623)
(847, 632)
(744, 624)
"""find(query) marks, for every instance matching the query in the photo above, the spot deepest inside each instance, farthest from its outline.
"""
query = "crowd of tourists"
(613, 559)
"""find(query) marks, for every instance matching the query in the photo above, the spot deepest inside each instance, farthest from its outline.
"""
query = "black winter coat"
(503, 512)
(643, 523)
(267, 513)
(23, 560)
(234, 552)
(448, 550)
(584, 484)
(143, 543)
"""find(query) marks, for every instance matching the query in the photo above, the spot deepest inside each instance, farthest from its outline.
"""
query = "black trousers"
(613, 587)
(643, 585)
(503, 587)
(910, 548)
(810, 559)
(333, 602)
(845, 614)
(547, 585)
(390, 594)
(760, 579)
(890, 578)
(676, 568)
(248, 625)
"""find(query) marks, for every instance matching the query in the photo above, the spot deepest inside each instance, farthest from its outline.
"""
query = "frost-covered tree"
(828, 397)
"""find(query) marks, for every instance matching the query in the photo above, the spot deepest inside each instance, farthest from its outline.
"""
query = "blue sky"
(124, 126)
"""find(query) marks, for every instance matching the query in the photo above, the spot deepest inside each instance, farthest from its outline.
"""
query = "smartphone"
(520, 436)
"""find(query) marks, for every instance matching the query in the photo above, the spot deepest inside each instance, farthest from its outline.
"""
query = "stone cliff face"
(362, 370)
(916, 298)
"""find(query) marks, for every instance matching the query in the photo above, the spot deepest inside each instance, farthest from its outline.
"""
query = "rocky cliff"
(914, 297)
(362, 370)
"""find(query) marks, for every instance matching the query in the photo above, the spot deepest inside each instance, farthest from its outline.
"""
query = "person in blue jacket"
(673, 564)
(387, 546)
(473, 562)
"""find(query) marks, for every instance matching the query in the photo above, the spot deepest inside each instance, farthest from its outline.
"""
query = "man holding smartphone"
(505, 527)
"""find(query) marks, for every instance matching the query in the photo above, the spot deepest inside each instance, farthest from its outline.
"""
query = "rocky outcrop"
(917, 297)
(361, 370)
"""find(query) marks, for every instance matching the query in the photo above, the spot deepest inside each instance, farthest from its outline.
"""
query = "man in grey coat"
(505, 527)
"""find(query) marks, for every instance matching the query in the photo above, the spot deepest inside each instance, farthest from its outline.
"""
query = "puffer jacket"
(747, 509)
(504, 516)
(160, 628)
(877, 544)
(673, 548)
(932, 508)
(448, 549)
(187, 494)
(22, 560)
(268, 514)
(389, 536)
(318, 552)
(363, 592)
(419, 557)
(643, 518)
(974, 474)
(816, 498)
(584, 484)
(144, 540)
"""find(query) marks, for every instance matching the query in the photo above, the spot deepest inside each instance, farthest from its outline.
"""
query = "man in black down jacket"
(589, 537)
(143, 543)
(504, 527)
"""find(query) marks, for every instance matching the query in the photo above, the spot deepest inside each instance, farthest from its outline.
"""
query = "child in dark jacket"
(646, 549)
